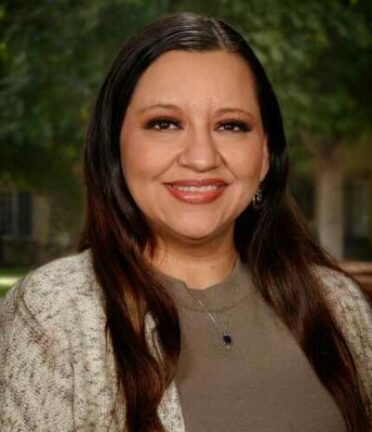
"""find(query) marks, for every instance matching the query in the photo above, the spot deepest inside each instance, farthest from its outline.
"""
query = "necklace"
(227, 340)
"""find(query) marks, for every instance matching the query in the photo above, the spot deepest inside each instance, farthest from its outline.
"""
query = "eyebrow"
(159, 105)
(220, 111)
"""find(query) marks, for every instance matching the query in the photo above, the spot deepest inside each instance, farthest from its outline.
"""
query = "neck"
(198, 267)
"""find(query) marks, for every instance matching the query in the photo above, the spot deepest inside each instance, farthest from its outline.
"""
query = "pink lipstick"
(197, 191)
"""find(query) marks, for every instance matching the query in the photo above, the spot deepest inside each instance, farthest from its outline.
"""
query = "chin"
(194, 233)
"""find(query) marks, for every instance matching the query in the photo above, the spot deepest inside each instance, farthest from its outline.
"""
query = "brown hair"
(272, 240)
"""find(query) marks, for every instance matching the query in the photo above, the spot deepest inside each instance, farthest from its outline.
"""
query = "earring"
(257, 198)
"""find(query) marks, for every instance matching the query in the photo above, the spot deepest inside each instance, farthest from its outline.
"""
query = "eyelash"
(244, 127)
(157, 121)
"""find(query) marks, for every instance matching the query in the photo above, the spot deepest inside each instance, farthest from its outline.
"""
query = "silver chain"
(227, 340)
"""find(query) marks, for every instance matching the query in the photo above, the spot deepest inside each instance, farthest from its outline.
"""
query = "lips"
(194, 191)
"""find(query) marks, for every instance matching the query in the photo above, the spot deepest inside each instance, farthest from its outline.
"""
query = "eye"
(235, 126)
(162, 124)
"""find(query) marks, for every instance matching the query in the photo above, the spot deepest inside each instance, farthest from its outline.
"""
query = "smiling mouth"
(197, 191)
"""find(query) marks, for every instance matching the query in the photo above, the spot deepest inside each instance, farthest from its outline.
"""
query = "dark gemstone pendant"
(227, 340)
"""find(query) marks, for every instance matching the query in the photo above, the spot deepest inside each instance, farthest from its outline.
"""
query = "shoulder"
(349, 305)
(53, 342)
(352, 314)
(55, 291)
(344, 295)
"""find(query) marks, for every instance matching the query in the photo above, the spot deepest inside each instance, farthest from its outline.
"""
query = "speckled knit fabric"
(57, 374)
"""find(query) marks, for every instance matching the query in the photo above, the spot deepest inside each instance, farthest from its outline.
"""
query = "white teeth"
(196, 188)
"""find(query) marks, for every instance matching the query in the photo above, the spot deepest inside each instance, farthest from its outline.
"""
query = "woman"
(198, 300)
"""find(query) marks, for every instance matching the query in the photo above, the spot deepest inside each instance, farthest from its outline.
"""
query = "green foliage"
(53, 57)
(54, 54)
(318, 55)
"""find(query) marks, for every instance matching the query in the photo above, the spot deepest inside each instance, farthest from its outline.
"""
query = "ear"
(265, 165)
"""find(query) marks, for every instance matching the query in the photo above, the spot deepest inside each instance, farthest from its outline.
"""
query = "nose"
(199, 151)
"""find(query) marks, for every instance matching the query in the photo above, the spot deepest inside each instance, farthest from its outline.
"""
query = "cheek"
(134, 154)
(246, 163)
(142, 162)
(134, 161)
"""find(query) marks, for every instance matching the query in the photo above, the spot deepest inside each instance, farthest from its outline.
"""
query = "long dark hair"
(272, 240)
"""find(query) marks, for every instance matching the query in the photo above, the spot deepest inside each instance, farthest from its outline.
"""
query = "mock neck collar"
(219, 296)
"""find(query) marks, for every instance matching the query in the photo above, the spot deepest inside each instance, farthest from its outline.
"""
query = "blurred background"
(55, 53)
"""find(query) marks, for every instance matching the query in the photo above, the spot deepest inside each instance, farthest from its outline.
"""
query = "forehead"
(196, 78)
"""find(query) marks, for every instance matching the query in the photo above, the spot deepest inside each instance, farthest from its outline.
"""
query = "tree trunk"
(329, 211)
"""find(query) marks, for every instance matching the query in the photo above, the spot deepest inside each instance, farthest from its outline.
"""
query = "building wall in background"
(26, 235)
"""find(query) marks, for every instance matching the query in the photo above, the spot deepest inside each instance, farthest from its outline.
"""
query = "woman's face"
(193, 149)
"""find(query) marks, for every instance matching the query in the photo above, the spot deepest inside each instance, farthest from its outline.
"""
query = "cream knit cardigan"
(57, 373)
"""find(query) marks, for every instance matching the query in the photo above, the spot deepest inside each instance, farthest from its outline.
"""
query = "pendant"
(227, 340)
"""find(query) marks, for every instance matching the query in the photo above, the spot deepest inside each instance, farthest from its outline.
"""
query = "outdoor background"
(55, 53)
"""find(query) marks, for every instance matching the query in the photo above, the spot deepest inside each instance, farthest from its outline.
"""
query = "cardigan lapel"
(169, 410)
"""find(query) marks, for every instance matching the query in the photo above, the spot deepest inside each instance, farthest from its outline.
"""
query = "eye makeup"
(165, 123)
(162, 123)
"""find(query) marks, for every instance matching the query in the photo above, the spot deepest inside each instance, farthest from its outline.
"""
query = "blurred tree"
(318, 55)
(53, 56)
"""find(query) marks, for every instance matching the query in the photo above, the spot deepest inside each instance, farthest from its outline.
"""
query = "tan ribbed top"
(264, 383)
